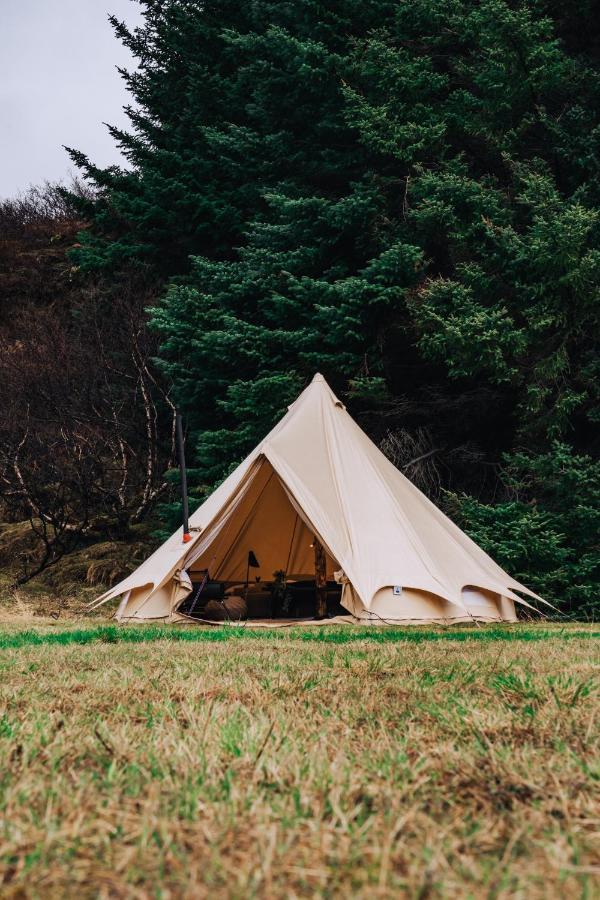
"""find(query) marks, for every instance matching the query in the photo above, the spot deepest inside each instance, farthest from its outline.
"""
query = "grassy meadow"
(148, 762)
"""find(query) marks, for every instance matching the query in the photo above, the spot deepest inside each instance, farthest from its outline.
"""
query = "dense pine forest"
(404, 196)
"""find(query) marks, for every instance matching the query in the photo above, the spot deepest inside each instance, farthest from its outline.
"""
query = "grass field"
(336, 762)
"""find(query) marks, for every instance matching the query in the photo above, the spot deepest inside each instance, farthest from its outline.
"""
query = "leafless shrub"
(86, 431)
(87, 428)
(47, 203)
(414, 454)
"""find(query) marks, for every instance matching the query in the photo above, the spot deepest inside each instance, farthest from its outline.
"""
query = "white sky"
(58, 84)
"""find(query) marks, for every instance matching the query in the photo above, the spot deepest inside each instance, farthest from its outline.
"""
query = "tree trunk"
(320, 581)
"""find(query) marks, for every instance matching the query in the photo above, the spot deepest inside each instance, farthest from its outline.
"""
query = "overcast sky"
(58, 84)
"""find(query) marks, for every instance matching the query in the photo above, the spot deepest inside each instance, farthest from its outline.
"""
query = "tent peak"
(323, 385)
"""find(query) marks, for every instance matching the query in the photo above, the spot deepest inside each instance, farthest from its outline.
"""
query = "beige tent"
(317, 475)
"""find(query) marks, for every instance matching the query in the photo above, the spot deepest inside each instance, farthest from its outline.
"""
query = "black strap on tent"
(203, 584)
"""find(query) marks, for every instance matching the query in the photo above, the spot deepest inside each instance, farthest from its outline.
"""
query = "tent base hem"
(179, 619)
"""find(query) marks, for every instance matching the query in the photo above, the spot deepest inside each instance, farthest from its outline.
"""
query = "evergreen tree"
(402, 195)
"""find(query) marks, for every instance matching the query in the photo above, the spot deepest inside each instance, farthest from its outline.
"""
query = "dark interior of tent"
(280, 598)
(264, 563)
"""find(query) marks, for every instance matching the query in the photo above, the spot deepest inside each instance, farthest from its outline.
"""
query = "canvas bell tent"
(316, 488)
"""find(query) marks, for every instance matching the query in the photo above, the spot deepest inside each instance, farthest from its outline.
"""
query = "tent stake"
(184, 494)
(320, 581)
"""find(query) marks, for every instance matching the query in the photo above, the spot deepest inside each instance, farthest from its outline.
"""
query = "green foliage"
(403, 196)
(547, 534)
(525, 308)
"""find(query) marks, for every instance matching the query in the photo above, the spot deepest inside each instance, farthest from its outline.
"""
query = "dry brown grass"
(258, 768)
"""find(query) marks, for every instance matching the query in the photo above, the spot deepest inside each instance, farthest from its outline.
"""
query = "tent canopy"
(317, 474)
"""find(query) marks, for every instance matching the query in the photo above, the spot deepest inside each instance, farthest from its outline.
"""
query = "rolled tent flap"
(373, 522)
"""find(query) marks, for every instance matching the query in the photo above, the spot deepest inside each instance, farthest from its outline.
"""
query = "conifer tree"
(402, 195)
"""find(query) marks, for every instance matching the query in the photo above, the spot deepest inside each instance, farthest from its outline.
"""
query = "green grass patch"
(305, 762)
(113, 634)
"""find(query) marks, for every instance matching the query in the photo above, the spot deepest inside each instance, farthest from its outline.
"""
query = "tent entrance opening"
(261, 564)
